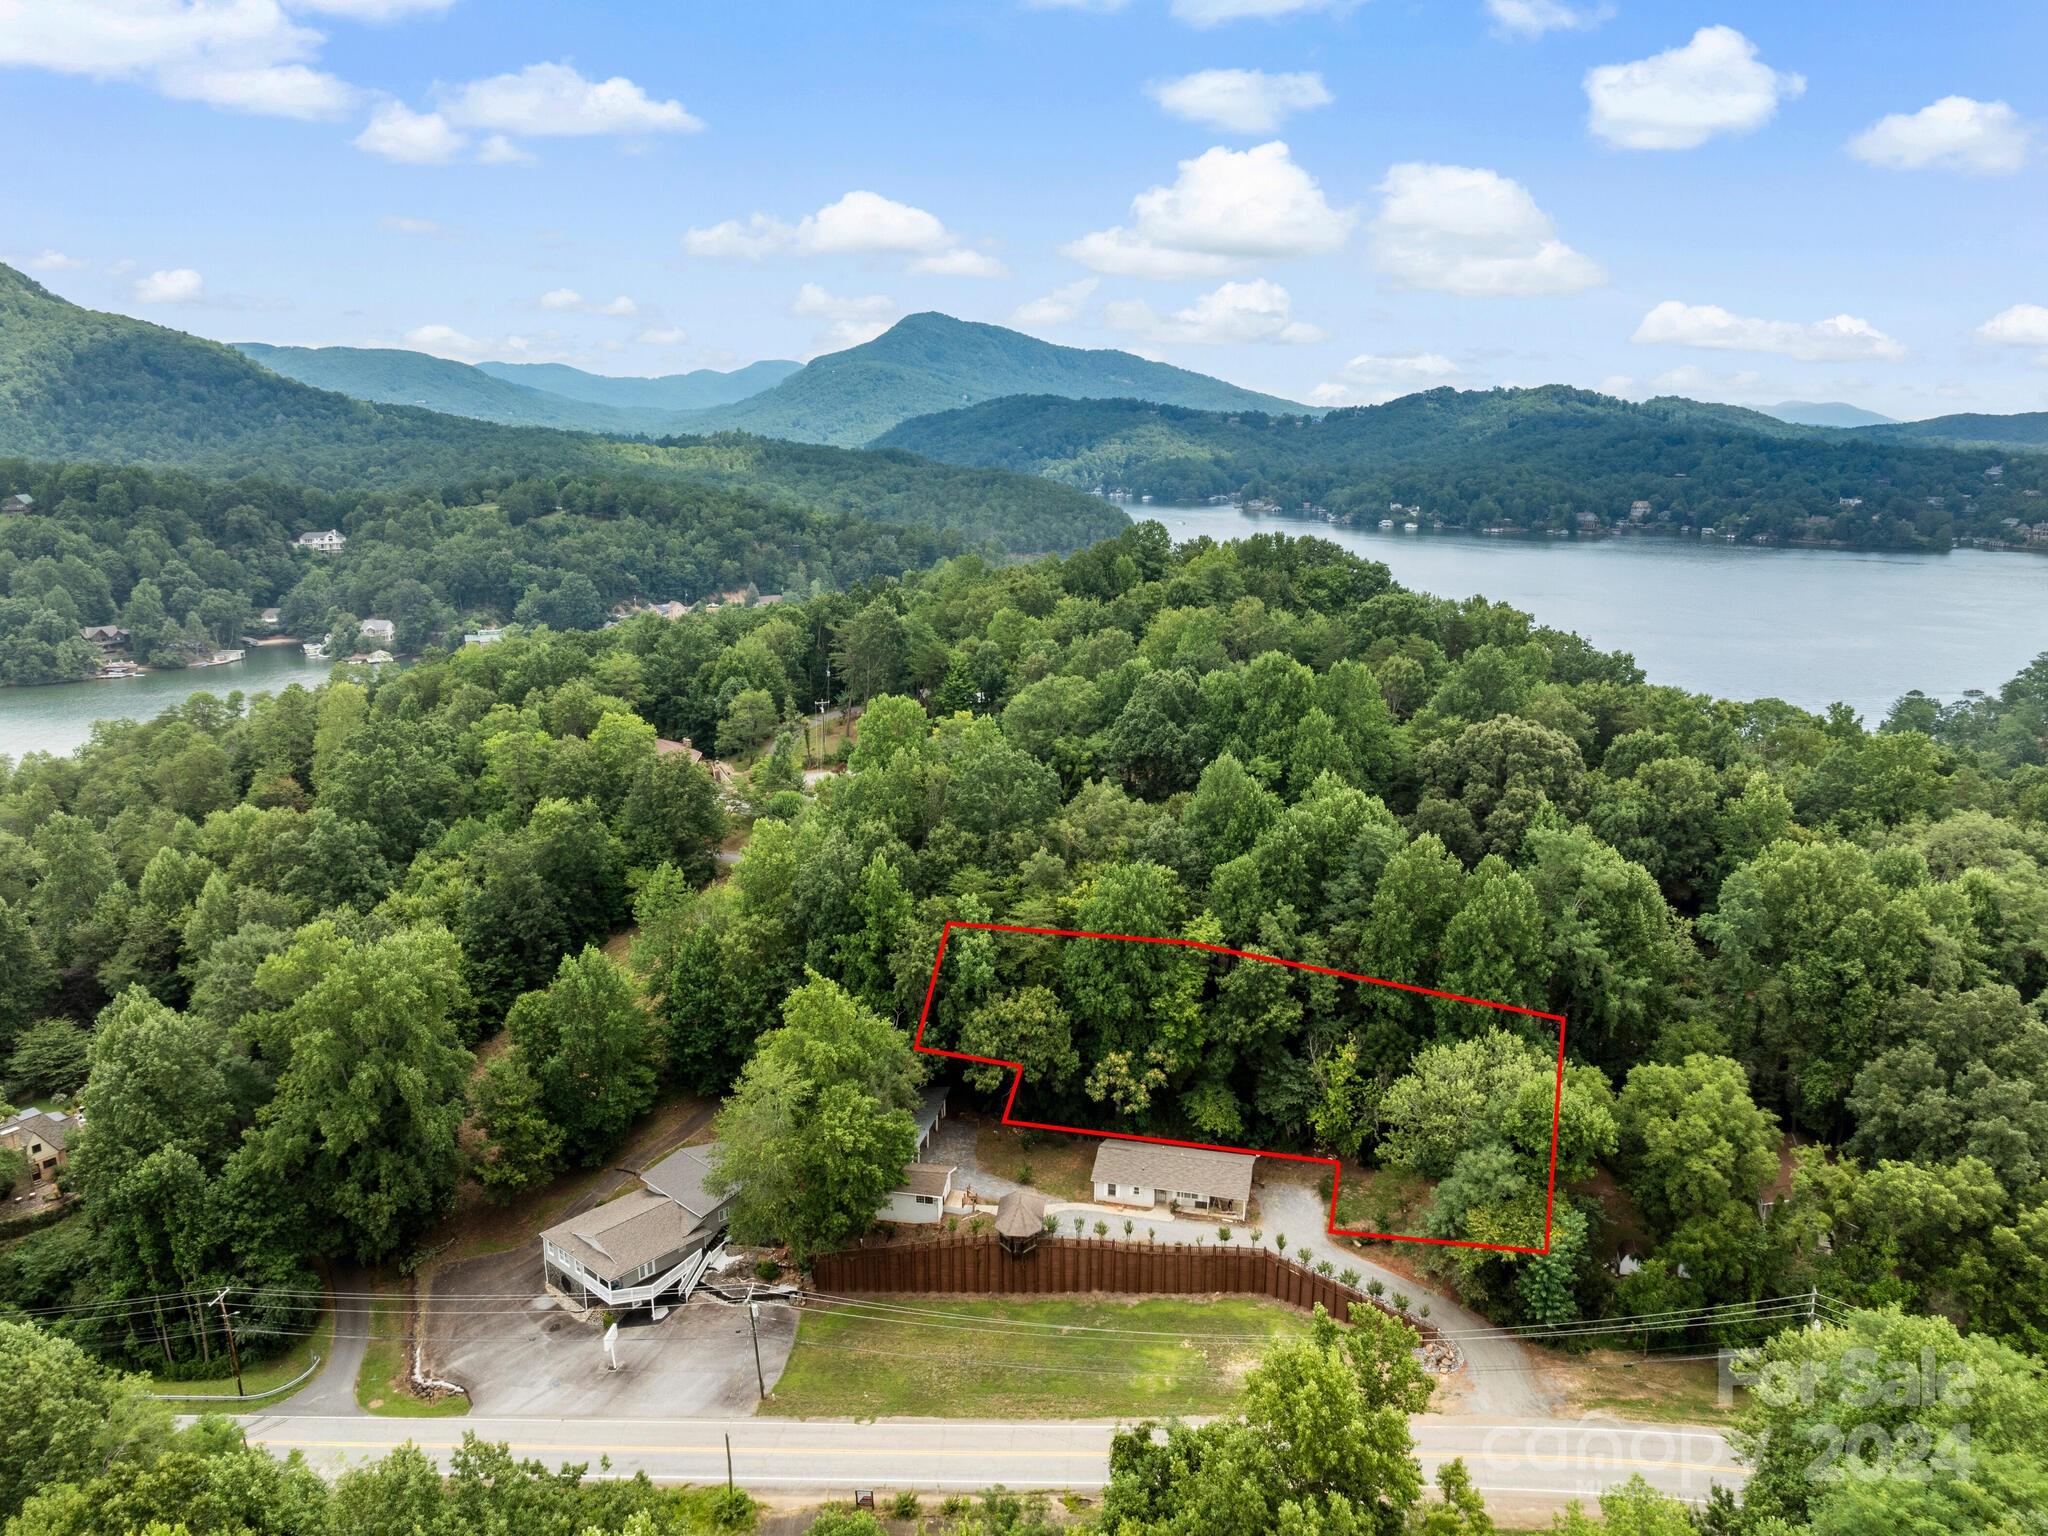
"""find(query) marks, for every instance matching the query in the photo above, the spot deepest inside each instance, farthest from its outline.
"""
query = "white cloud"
(1460, 229)
(1984, 138)
(1240, 100)
(175, 285)
(244, 55)
(1699, 384)
(1371, 379)
(759, 236)
(850, 319)
(496, 149)
(1839, 339)
(369, 10)
(1684, 96)
(553, 100)
(1234, 313)
(1075, 5)
(960, 262)
(444, 341)
(869, 222)
(1226, 209)
(1214, 13)
(569, 299)
(1062, 306)
(861, 223)
(1533, 18)
(400, 224)
(663, 336)
(54, 261)
(2023, 325)
(396, 132)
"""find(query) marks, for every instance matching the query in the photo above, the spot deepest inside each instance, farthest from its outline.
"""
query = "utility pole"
(760, 1381)
(228, 1326)
(728, 1462)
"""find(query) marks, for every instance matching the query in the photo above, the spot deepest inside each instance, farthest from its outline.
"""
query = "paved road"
(333, 1390)
(1534, 1464)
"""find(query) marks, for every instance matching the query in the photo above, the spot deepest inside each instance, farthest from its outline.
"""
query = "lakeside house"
(328, 541)
(378, 629)
(648, 1247)
(490, 635)
(1146, 1174)
(108, 637)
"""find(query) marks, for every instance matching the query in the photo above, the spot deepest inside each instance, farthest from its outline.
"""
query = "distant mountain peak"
(1826, 413)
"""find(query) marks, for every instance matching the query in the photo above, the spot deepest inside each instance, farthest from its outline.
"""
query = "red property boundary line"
(1336, 1170)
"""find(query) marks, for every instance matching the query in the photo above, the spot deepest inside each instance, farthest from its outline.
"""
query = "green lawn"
(848, 1367)
(380, 1384)
(260, 1375)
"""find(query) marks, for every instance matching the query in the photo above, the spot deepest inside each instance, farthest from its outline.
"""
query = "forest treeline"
(185, 563)
(1757, 919)
(1530, 460)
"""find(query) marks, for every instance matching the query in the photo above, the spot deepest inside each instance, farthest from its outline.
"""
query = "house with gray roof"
(931, 1109)
(42, 1136)
(650, 1246)
(1146, 1173)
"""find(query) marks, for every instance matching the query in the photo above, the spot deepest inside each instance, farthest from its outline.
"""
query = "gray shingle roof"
(621, 1235)
(681, 1177)
(926, 1178)
(51, 1126)
(1020, 1213)
(1226, 1175)
(931, 1109)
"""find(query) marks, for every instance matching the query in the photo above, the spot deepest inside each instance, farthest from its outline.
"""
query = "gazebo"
(1020, 1222)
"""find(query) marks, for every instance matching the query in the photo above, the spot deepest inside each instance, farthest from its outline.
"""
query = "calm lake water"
(59, 718)
(1809, 626)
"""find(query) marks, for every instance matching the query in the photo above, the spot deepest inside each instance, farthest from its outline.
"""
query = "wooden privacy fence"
(980, 1266)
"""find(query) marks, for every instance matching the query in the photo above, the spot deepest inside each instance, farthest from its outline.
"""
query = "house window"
(926, 1199)
(1111, 1190)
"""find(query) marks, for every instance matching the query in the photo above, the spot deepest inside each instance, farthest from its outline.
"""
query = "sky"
(1334, 200)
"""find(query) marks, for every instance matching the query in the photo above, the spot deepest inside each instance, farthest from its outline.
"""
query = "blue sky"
(1343, 202)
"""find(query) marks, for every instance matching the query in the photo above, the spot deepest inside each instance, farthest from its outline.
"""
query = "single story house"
(921, 1198)
(1145, 1173)
(327, 541)
(646, 1248)
(42, 1136)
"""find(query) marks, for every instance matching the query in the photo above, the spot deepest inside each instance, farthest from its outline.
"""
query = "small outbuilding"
(921, 1198)
(1020, 1221)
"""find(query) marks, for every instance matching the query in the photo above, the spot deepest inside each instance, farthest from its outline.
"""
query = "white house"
(1145, 1174)
(488, 636)
(378, 629)
(921, 1198)
(326, 542)
(646, 1248)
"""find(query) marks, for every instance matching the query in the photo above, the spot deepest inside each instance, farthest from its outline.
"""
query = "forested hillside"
(2027, 432)
(393, 376)
(82, 385)
(932, 362)
(1544, 459)
(1756, 920)
(184, 564)
(690, 391)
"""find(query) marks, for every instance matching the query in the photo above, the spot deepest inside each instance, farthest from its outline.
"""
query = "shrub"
(1375, 1287)
(766, 1269)
(1052, 1223)
(1223, 1234)
(1325, 1267)
(1302, 1255)
(1024, 1172)
(1258, 1237)
(1400, 1301)
(733, 1509)
(905, 1506)
(1080, 1225)
(1280, 1242)
(1423, 1309)
(1102, 1229)
(1127, 1226)
(1350, 1277)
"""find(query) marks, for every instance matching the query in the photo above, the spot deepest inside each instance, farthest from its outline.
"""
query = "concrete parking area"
(491, 1329)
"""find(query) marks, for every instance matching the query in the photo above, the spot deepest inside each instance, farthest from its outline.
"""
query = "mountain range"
(1551, 459)
(923, 363)
(81, 384)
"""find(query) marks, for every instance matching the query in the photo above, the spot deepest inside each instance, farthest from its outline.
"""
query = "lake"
(1809, 626)
(59, 718)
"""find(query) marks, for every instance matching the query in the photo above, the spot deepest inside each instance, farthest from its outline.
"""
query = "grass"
(1059, 1166)
(380, 1383)
(854, 1367)
(261, 1375)
(1380, 1199)
(1623, 1384)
